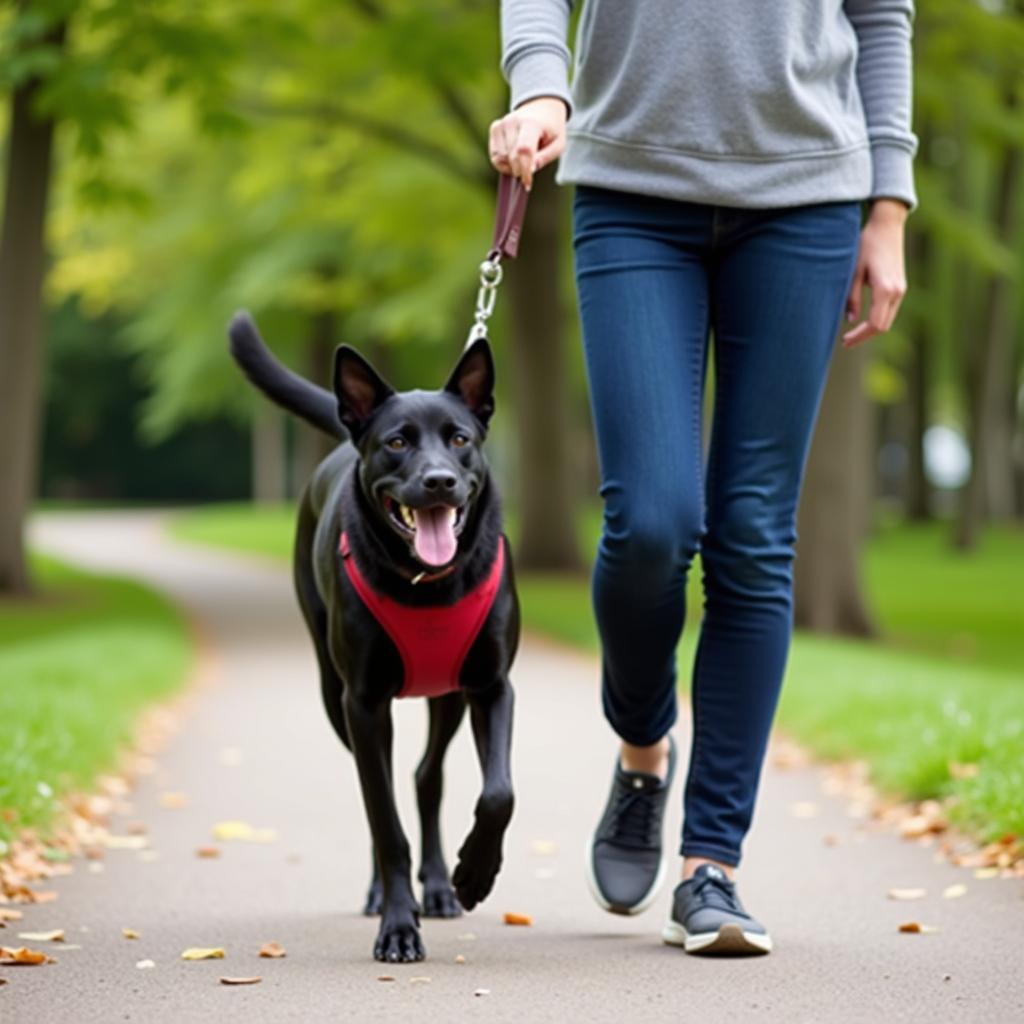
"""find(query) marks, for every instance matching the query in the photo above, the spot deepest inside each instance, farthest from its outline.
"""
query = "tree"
(22, 265)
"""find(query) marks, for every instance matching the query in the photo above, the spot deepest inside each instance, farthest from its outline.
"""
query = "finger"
(853, 300)
(508, 129)
(524, 152)
(497, 151)
(861, 333)
(549, 153)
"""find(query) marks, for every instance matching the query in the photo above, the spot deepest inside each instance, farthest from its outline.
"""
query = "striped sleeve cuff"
(893, 173)
(540, 72)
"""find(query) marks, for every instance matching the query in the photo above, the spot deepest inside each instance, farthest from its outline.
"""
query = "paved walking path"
(838, 954)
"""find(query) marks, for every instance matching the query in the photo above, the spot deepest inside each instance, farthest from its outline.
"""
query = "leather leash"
(508, 228)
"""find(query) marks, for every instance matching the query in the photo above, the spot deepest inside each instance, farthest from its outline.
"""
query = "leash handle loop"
(508, 228)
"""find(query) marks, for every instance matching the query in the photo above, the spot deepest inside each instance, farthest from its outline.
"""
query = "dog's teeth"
(408, 517)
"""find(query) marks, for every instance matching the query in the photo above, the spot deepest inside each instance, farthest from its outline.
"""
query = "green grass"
(945, 684)
(78, 663)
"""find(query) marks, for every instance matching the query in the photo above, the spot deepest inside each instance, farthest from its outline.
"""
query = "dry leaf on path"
(56, 935)
(519, 919)
(145, 964)
(208, 852)
(907, 894)
(131, 933)
(953, 892)
(804, 809)
(125, 842)
(419, 980)
(242, 831)
(240, 981)
(198, 953)
(385, 977)
(916, 928)
(459, 958)
(173, 801)
(10, 915)
(3, 981)
(22, 956)
(272, 950)
(983, 873)
(482, 992)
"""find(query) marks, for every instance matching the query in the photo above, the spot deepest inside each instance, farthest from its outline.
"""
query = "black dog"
(405, 520)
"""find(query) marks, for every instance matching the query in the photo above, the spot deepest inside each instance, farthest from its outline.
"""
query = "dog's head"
(422, 466)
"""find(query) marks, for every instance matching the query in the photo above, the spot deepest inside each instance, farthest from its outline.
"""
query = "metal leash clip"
(507, 229)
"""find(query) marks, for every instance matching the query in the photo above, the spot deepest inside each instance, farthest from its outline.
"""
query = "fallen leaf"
(906, 894)
(125, 842)
(3, 981)
(482, 992)
(804, 809)
(143, 965)
(23, 956)
(467, 937)
(242, 831)
(830, 840)
(208, 852)
(56, 935)
(130, 933)
(459, 958)
(10, 915)
(198, 953)
(240, 981)
(136, 828)
(954, 892)
(916, 928)
(520, 919)
(385, 977)
(173, 801)
(419, 980)
(272, 950)
(984, 873)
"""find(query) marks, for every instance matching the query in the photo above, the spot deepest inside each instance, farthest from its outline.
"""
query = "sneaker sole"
(729, 940)
(617, 908)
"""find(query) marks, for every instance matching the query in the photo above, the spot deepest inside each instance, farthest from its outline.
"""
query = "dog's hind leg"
(438, 896)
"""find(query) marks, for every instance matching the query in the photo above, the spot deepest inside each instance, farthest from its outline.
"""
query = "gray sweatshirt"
(751, 103)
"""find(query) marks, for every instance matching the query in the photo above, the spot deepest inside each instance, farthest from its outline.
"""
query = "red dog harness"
(433, 641)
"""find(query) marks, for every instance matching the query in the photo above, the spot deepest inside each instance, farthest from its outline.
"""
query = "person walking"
(741, 173)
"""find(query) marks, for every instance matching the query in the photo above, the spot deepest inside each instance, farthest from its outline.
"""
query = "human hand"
(880, 268)
(528, 138)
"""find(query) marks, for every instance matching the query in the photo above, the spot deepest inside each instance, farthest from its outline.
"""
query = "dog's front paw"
(399, 942)
(478, 866)
(439, 899)
(374, 899)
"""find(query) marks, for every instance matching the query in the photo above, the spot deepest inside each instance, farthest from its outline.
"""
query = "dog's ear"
(359, 387)
(473, 380)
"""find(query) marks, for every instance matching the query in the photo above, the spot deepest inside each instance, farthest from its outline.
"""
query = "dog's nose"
(439, 480)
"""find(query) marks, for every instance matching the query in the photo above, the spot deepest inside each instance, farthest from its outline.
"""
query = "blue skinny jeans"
(656, 278)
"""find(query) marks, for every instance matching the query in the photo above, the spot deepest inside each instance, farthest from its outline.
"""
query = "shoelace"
(718, 892)
(634, 818)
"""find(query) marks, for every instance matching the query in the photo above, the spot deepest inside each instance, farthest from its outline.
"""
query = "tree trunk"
(918, 502)
(22, 268)
(835, 507)
(312, 445)
(545, 490)
(993, 357)
(269, 455)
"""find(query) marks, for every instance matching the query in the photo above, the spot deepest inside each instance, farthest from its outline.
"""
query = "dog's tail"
(314, 404)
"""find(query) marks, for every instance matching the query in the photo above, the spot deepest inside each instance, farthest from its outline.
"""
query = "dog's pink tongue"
(435, 535)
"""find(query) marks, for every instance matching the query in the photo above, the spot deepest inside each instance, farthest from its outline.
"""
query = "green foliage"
(87, 657)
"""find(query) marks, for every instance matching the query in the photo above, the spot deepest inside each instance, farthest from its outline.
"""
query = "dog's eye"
(396, 444)
(459, 440)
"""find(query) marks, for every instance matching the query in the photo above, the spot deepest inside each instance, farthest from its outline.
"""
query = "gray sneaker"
(707, 917)
(625, 865)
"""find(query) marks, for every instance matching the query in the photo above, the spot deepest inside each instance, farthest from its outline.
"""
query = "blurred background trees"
(323, 164)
